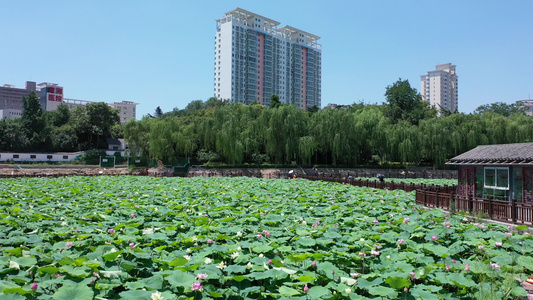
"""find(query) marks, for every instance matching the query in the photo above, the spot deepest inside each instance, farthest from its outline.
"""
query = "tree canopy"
(405, 103)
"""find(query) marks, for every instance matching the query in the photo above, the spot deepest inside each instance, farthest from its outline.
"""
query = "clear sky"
(161, 52)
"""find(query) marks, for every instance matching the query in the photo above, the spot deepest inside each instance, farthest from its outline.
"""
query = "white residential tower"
(439, 87)
(254, 59)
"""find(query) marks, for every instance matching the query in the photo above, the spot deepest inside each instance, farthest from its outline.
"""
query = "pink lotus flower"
(374, 253)
(210, 241)
(133, 215)
(434, 237)
(495, 266)
(467, 267)
(498, 244)
(306, 289)
(406, 220)
(362, 254)
(378, 246)
(202, 276)
(34, 286)
(259, 236)
(111, 230)
(447, 268)
(454, 261)
(96, 275)
(313, 263)
(69, 244)
(401, 241)
(57, 275)
(266, 233)
(132, 245)
(196, 286)
(480, 247)
(354, 275)
(376, 222)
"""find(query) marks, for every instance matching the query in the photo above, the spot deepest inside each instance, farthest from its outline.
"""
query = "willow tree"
(286, 124)
(137, 136)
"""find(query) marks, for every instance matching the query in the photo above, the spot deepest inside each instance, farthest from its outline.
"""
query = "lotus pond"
(245, 238)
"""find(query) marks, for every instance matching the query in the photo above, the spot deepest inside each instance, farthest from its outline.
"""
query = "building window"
(33, 156)
(49, 157)
(497, 178)
(15, 156)
(65, 156)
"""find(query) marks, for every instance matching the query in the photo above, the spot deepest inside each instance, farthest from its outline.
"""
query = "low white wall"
(56, 157)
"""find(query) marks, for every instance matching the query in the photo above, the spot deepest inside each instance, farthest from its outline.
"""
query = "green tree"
(33, 122)
(405, 103)
(501, 108)
(101, 119)
(11, 138)
(274, 101)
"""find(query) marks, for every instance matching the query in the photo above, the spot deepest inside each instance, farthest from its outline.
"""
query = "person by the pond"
(381, 177)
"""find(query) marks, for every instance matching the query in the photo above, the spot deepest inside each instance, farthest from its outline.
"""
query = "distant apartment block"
(528, 106)
(254, 59)
(51, 96)
(127, 110)
(11, 99)
(439, 87)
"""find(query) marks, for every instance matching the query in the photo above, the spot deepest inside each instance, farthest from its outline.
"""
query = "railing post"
(437, 199)
(513, 210)
(490, 208)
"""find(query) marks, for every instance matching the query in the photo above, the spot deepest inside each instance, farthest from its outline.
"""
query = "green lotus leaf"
(25, 261)
(262, 248)
(383, 291)
(461, 281)
(422, 294)
(526, 262)
(318, 292)
(305, 278)
(368, 284)
(397, 282)
(286, 270)
(178, 262)
(75, 271)
(48, 269)
(112, 255)
(180, 279)
(12, 296)
(74, 291)
(287, 291)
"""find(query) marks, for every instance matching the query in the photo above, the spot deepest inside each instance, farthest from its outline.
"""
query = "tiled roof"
(502, 154)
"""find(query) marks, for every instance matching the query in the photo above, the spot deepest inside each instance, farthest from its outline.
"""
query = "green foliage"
(138, 237)
(501, 108)
(274, 101)
(405, 103)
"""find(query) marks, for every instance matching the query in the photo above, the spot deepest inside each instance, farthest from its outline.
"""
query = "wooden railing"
(503, 211)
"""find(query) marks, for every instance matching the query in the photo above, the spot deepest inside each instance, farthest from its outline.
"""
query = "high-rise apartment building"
(254, 59)
(439, 87)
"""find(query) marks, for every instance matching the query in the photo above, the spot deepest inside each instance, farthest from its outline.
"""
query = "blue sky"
(160, 53)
